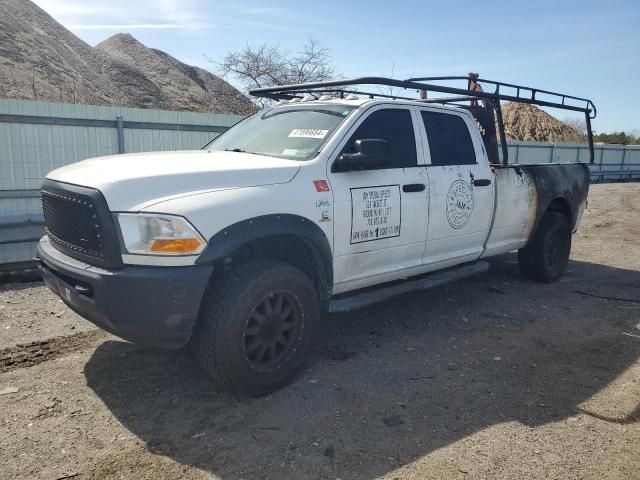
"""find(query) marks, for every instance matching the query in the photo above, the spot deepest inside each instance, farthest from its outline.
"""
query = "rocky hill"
(40, 59)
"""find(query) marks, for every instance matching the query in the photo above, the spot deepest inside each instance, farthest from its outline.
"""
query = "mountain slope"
(40, 59)
(179, 86)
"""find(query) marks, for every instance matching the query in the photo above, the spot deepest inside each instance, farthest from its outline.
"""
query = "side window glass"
(396, 128)
(449, 139)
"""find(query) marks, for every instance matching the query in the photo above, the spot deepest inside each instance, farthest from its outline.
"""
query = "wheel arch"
(560, 205)
(289, 238)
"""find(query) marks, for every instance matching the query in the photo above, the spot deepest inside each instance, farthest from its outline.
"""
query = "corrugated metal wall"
(612, 162)
(36, 137)
(29, 150)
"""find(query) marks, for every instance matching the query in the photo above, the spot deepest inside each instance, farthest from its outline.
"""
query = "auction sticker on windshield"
(375, 213)
(308, 133)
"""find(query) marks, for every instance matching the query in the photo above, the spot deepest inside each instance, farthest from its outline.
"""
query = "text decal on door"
(375, 213)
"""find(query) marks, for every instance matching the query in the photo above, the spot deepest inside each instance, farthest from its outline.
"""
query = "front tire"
(256, 326)
(545, 257)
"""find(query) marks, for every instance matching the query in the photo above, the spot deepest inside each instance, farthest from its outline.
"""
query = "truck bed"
(525, 192)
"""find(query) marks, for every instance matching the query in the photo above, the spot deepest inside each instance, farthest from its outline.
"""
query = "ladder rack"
(490, 99)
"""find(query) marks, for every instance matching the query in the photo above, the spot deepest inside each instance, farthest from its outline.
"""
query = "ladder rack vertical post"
(503, 138)
(592, 154)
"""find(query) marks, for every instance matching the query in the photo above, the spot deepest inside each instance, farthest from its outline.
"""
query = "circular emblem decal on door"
(459, 204)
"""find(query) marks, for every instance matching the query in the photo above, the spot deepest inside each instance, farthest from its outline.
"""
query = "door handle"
(482, 182)
(413, 187)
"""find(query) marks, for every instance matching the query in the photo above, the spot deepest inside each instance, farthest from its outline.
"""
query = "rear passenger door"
(461, 188)
(380, 222)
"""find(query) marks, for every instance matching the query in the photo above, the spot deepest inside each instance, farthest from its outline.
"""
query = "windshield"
(292, 132)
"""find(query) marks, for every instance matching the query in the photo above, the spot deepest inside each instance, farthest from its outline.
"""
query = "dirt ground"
(491, 377)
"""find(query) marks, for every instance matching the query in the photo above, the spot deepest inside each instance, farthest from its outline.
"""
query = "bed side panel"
(515, 210)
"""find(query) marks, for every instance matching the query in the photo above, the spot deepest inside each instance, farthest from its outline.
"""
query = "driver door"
(380, 212)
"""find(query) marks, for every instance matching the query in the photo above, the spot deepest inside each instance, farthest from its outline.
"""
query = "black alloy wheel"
(272, 331)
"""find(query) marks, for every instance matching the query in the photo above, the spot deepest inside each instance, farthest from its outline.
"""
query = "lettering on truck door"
(375, 213)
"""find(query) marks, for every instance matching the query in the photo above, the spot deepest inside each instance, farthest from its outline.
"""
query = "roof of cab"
(357, 102)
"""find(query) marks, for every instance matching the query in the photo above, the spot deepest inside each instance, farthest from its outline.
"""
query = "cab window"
(449, 139)
(395, 126)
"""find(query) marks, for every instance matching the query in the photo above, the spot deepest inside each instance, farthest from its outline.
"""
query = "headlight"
(157, 234)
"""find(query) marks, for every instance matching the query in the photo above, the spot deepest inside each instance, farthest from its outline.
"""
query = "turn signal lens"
(175, 245)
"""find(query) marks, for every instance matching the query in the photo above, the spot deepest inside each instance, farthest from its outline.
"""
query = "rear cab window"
(449, 139)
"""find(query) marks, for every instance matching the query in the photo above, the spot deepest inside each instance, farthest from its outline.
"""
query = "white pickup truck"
(308, 206)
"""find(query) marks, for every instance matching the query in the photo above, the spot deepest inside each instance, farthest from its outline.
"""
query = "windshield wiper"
(239, 150)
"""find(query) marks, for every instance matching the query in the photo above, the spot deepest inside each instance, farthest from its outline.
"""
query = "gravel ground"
(490, 377)
(30, 312)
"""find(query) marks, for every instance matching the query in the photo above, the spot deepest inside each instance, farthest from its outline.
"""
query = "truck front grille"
(71, 222)
(78, 223)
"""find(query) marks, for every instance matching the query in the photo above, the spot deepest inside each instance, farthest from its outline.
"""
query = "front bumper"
(154, 306)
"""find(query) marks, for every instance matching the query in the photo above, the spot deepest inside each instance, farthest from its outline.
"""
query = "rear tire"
(545, 257)
(256, 326)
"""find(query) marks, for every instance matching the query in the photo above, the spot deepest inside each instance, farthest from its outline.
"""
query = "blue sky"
(587, 48)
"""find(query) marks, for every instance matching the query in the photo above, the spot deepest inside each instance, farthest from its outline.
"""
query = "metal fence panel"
(612, 162)
(37, 137)
(155, 140)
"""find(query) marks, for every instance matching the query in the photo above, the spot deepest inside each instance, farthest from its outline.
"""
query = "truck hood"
(135, 181)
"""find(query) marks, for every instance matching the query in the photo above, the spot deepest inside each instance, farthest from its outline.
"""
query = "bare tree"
(265, 65)
(312, 64)
(578, 124)
(392, 91)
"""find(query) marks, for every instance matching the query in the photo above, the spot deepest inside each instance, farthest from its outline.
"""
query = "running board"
(370, 297)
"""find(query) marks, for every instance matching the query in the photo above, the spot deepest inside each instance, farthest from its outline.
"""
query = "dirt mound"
(42, 60)
(169, 82)
(529, 123)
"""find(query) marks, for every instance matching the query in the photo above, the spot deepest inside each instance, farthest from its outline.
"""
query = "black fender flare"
(568, 183)
(223, 243)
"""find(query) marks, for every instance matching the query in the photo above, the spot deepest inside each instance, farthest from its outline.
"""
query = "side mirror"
(370, 153)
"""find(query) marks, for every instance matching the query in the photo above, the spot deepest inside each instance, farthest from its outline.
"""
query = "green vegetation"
(621, 138)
